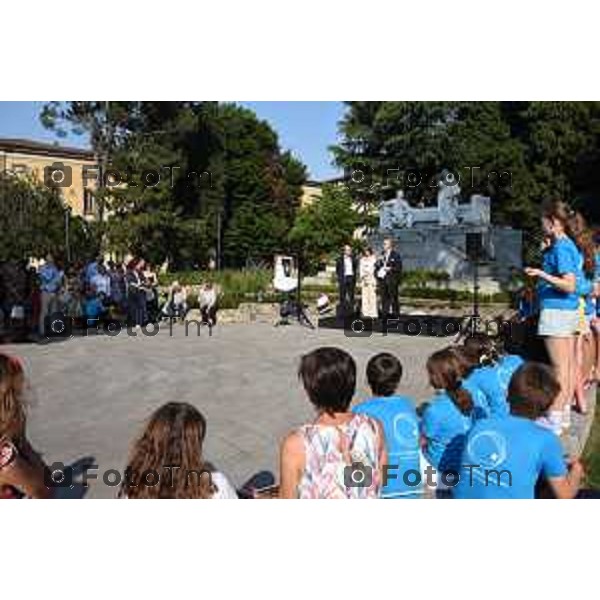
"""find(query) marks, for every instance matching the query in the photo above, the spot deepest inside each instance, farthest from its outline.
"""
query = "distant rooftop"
(315, 183)
(44, 149)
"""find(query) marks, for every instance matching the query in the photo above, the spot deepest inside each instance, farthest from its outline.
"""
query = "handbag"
(17, 313)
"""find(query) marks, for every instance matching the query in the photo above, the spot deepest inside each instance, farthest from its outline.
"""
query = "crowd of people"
(93, 291)
(483, 434)
(493, 428)
(84, 292)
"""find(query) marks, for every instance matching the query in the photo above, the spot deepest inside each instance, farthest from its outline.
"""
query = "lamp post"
(67, 240)
(219, 250)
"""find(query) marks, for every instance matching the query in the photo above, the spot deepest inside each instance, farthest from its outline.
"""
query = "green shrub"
(250, 281)
(422, 277)
(454, 295)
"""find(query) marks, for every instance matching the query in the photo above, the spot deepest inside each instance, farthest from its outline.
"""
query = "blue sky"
(305, 128)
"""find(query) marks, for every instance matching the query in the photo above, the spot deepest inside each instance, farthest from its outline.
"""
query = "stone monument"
(435, 237)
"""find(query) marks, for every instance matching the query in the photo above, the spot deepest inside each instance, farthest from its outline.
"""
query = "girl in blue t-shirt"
(493, 370)
(559, 303)
(584, 357)
(451, 413)
(596, 301)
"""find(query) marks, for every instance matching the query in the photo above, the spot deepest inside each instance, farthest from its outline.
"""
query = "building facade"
(70, 171)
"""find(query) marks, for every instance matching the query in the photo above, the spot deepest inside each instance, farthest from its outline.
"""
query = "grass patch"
(591, 454)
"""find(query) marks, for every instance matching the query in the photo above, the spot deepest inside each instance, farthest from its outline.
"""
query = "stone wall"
(248, 312)
(444, 249)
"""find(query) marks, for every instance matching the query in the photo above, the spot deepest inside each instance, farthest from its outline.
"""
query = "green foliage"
(33, 222)
(516, 152)
(323, 227)
(420, 278)
(250, 281)
(453, 295)
(216, 169)
(250, 285)
(591, 454)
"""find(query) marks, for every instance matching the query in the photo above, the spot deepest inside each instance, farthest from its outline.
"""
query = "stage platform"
(404, 324)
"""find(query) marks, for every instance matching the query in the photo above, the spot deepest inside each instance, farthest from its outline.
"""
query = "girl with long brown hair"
(584, 346)
(558, 295)
(21, 468)
(166, 461)
(451, 413)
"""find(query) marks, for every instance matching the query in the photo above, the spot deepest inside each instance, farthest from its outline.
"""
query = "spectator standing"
(51, 279)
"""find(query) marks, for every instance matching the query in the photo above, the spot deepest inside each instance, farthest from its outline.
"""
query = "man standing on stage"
(388, 271)
(346, 268)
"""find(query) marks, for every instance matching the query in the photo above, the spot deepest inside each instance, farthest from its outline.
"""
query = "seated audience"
(93, 308)
(340, 454)
(176, 303)
(173, 438)
(514, 451)
(451, 413)
(400, 423)
(208, 296)
(21, 467)
(493, 371)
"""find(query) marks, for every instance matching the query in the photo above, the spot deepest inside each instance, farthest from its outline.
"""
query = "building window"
(89, 202)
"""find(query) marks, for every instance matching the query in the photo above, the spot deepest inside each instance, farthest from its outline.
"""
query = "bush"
(422, 277)
(454, 295)
(251, 281)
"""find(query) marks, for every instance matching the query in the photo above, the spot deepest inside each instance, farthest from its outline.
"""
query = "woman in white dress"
(368, 284)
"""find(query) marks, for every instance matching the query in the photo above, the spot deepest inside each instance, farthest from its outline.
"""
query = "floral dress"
(341, 461)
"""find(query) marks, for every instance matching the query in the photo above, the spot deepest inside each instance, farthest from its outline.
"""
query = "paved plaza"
(90, 396)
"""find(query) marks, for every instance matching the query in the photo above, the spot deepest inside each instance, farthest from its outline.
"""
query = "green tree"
(322, 227)
(262, 187)
(515, 152)
(107, 125)
(220, 170)
(33, 221)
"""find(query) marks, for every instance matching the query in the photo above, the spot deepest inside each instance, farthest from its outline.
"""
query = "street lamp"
(67, 241)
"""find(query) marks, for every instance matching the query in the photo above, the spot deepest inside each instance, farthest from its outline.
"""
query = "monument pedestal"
(438, 248)
(435, 238)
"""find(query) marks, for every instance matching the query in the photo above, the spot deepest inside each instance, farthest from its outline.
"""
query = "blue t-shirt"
(561, 258)
(585, 287)
(596, 304)
(445, 429)
(91, 271)
(400, 424)
(590, 301)
(93, 308)
(511, 453)
(482, 406)
(494, 380)
(50, 278)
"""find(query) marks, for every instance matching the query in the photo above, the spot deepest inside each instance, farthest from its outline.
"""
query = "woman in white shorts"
(559, 303)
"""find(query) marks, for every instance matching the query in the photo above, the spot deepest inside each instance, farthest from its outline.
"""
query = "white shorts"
(558, 323)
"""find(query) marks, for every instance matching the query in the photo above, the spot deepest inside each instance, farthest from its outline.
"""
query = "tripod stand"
(476, 254)
(292, 307)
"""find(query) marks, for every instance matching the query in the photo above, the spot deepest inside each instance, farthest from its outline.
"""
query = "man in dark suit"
(388, 270)
(346, 268)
